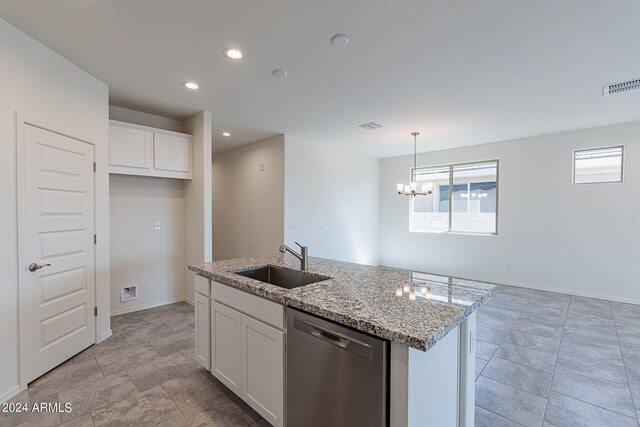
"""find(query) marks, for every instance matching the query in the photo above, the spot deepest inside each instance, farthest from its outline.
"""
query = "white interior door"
(57, 291)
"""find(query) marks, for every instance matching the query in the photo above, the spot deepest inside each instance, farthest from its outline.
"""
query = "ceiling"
(461, 72)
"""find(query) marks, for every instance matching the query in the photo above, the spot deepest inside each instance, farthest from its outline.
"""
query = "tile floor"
(548, 359)
(144, 375)
(543, 359)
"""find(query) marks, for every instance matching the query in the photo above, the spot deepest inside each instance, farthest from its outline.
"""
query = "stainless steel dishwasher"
(335, 376)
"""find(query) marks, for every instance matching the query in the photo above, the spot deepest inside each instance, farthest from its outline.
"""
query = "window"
(464, 199)
(597, 165)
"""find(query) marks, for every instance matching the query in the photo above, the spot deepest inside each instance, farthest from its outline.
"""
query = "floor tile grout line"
(593, 404)
(524, 366)
(501, 416)
(624, 364)
(555, 366)
(512, 386)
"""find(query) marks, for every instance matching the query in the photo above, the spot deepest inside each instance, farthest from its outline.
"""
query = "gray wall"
(332, 201)
(248, 204)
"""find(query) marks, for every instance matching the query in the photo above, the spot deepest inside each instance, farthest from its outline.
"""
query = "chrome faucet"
(303, 256)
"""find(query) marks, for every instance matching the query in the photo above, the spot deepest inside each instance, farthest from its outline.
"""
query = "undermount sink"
(282, 277)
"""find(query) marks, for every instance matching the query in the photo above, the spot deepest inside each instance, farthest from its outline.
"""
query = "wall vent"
(620, 87)
(370, 126)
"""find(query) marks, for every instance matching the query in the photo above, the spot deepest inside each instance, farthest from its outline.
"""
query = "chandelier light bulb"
(413, 188)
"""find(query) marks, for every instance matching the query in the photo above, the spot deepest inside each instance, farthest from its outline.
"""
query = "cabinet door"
(263, 369)
(172, 154)
(226, 346)
(130, 150)
(203, 331)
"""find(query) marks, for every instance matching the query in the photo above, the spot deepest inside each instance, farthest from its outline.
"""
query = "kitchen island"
(429, 321)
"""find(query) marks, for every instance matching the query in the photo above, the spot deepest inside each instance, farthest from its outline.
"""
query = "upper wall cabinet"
(141, 150)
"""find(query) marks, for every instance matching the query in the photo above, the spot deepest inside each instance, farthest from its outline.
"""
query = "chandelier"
(415, 189)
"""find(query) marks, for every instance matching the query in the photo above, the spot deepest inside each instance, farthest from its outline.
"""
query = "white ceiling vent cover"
(370, 126)
(621, 87)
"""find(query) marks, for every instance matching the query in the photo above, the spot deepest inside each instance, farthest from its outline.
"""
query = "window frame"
(573, 165)
(451, 166)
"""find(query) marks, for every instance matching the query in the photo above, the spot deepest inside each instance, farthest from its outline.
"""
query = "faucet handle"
(301, 247)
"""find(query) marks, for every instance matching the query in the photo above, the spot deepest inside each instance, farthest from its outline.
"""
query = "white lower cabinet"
(240, 339)
(203, 331)
(263, 369)
(226, 346)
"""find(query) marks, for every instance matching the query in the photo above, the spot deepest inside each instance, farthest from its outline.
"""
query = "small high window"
(464, 199)
(597, 165)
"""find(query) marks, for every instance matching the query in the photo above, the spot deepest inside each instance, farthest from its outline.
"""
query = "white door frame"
(21, 121)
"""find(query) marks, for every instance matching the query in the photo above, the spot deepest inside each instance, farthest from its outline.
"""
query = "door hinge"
(94, 166)
(95, 239)
(95, 311)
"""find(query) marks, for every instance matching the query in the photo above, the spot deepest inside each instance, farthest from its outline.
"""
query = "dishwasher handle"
(346, 343)
(330, 338)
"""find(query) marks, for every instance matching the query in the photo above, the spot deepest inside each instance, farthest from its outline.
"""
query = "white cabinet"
(172, 153)
(203, 331)
(141, 150)
(130, 149)
(226, 346)
(263, 369)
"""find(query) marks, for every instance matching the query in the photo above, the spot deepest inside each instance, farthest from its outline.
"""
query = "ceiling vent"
(370, 126)
(621, 87)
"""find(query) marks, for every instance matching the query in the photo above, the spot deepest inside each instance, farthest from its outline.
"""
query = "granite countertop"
(410, 308)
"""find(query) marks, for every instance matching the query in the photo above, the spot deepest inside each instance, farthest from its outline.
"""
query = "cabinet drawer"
(202, 285)
(262, 309)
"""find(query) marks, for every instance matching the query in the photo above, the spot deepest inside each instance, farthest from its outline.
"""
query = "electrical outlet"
(261, 167)
(156, 226)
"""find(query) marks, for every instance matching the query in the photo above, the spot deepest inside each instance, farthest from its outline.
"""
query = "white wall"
(248, 204)
(580, 239)
(197, 199)
(152, 260)
(39, 83)
(332, 202)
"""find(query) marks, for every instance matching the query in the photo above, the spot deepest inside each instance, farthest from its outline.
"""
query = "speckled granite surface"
(414, 309)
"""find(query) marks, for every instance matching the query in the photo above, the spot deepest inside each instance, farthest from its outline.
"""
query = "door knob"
(33, 266)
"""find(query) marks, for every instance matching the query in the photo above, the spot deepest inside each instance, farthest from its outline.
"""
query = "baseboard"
(535, 287)
(549, 289)
(188, 301)
(145, 306)
(106, 335)
(13, 391)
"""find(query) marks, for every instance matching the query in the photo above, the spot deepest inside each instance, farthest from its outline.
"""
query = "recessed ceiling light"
(279, 72)
(190, 85)
(226, 134)
(233, 53)
(340, 40)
